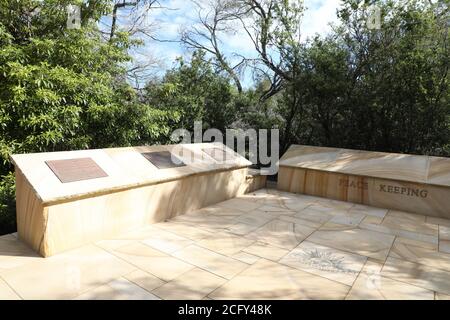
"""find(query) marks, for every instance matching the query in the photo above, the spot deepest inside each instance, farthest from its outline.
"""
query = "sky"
(177, 14)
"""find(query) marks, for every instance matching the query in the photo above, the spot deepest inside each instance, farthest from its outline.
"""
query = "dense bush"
(7, 204)
(196, 92)
(381, 89)
(64, 89)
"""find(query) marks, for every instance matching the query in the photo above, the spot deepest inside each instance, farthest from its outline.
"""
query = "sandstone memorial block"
(414, 183)
(71, 198)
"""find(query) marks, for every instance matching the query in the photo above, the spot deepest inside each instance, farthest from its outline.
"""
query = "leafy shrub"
(7, 204)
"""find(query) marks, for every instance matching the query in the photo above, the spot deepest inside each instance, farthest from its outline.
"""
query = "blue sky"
(168, 23)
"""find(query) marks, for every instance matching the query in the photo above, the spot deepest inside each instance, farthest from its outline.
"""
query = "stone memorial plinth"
(67, 199)
(419, 184)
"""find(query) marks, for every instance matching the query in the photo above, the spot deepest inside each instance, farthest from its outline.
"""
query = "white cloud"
(318, 15)
(238, 42)
(169, 20)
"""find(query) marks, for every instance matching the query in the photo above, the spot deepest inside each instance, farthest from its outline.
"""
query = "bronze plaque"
(163, 160)
(71, 170)
(218, 154)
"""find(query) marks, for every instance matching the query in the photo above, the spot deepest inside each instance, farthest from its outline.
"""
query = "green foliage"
(196, 92)
(7, 204)
(64, 89)
(400, 87)
(381, 89)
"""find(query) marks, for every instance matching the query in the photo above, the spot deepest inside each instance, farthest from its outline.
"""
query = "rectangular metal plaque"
(163, 160)
(71, 170)
(218, 154)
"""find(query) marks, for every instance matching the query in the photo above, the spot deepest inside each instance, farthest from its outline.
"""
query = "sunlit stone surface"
(412, 183)
(316, 249)
(73, 198)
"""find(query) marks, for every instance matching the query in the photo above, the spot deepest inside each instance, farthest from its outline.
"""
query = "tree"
(398, 98)
(63, 89)
(273, 26)
(382, 89)
(206, 37)
(196, 92)
(132, 17)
